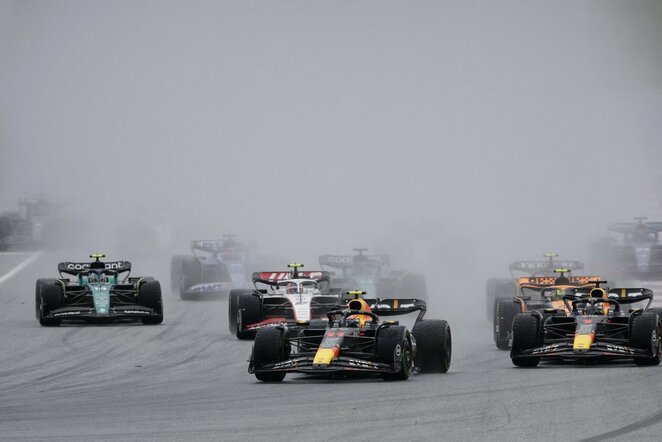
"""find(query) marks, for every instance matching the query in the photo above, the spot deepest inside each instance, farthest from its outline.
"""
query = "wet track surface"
(186, 380)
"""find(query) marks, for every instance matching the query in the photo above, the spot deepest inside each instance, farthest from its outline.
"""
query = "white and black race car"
(292, 297)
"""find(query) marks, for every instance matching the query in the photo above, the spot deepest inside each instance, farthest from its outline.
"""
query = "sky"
(456, 136)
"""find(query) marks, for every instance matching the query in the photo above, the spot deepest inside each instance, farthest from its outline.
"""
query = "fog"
(455, 136)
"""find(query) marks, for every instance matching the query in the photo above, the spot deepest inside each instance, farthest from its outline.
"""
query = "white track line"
(19, 267)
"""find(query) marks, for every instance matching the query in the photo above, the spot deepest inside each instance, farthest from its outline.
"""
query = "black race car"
(355, 340)
(99, 292)
(599, 327)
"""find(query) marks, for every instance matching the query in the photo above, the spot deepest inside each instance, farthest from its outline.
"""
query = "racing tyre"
(233, 307)
(250, 308)
(191, 275)
(645, 335)
(505, 311)
(149, 295)
(37, 293)
(271, 346)
(394, 347)
(433, 345)
(176, 271)
(498, 288)
(51, 297)
(526, 335)
(414, 286)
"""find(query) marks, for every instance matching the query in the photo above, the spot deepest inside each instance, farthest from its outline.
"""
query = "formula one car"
(355, 341)
(507, 287)
(372, 273)
(98, 293)
(215, 267)
(535, 293)
(289, 298)
(633, 250)
(36, 221)
(598, 327)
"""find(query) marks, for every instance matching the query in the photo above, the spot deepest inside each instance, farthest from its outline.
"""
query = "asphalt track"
(186, 380)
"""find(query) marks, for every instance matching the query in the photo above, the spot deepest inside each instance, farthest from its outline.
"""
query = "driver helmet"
(292, 288)
(358, 319)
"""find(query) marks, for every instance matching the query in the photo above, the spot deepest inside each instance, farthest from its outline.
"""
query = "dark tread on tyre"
(505, 311)
(271, 346)
(149, 295)
(37, 292)
(643, 327)
(250, 306)
(233, 307)
(190, 276)
(51, 297)
(433, 345)
(388, 340)
(526, 335)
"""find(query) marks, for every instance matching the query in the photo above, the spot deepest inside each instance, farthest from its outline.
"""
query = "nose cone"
(325, 356)
(582, 342)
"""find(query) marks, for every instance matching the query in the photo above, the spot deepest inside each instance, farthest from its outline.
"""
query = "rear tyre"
(149, 295)
(191, 275)
(250, 307)
(394, 347)
(645, 335)
(176, 271)
(526, 335)
(233, 307)
(505, 311)
(498, 288)
(51, 297)
(271, 346)
(433, 346)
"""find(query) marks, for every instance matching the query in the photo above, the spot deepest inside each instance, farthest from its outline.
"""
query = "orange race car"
(541, 293)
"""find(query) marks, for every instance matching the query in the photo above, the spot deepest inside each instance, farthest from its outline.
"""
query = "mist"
(455, 136)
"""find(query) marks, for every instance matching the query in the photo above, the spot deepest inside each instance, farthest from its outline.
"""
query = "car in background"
(290, 297)
(215, 267)
(99, 292)
(507, 287)
(372, 273)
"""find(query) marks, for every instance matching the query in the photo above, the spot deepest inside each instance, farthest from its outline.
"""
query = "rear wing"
(542, 266)
(534, 282)
(396, 307)
(74, 268)
(344, 261)
(208, 245)
(273, 278)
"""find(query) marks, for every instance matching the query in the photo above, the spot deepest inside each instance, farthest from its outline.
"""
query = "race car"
(290, 297)
(507, 287)
(633, 250)
(534, 293)
(598, 327)
(215, 267)
(355, 341)
(372, 273)
(100, 292)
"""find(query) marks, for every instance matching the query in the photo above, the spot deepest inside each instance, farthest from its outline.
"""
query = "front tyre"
(271, 346)
(433, 345)
(526, 335)
(51, 297)
(645, 335)
(394, 347)
(149, 295)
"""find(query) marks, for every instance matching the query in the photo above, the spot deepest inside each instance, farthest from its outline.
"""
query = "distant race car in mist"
(215, 267)
(535, 293)
(507, 287)
(632, 249)
(372, 273)
(354, 340)
(99, 292)
(36, 223)
(601, 325)
(292, 297)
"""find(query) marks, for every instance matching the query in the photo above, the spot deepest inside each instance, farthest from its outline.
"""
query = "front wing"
(304, 364)
(599, 350)
(89, 314)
